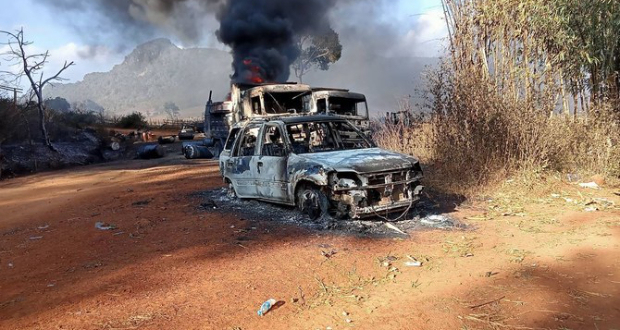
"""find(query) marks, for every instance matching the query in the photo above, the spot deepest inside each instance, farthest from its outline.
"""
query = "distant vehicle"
(322, 164)
(218, 121)
(251, 101)
(341, 103)
(186, 133)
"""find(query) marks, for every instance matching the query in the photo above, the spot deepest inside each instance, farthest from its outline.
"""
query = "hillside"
(158, 72)
(152, 74)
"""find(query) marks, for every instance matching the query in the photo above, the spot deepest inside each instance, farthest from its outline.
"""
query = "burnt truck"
(339, 102)
(249, 101)
(321, 164)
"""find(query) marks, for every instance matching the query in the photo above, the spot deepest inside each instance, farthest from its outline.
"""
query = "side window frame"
(236, 151)
(263, 136)
(232, 138)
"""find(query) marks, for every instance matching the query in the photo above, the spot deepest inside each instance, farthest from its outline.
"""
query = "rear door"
(272, 165)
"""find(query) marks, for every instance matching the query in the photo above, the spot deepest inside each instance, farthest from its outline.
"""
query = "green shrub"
(134, 120)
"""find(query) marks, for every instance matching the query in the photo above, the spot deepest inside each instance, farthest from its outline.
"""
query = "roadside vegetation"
(527, 90)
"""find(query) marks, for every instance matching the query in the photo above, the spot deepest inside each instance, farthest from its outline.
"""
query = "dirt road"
(168, 263)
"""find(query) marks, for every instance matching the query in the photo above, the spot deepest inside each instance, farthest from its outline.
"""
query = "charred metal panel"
(273, 179)
(362, 160)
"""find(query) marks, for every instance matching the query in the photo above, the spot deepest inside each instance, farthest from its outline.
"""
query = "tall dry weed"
(476, 136)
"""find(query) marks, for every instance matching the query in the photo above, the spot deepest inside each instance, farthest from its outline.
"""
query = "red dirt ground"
(546, 264)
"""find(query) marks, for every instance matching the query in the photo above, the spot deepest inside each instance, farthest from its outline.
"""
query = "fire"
(254, 72)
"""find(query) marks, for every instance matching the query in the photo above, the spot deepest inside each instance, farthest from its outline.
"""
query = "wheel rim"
(310, 203)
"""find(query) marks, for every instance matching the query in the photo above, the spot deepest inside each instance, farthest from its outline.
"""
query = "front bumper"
(377, 199)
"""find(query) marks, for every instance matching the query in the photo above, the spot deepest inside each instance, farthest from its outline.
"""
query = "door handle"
(259, 165)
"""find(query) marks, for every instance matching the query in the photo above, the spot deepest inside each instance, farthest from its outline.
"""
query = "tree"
(172, 110)
(317, 51)
(89, 105)
(9, 115)
(58, 104)
(32, 66)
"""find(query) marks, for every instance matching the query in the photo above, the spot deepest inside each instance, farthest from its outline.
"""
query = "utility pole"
(14, 90)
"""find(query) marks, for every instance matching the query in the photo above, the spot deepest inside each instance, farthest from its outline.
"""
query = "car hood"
(361, 160)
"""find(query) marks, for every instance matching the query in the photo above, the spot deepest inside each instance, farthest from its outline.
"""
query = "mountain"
(154, 73)
(158, 72)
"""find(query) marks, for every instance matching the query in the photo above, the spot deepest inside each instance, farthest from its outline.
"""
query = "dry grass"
(476, 138)
(506, 102)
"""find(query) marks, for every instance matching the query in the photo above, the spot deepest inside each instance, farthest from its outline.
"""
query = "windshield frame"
(306, 147)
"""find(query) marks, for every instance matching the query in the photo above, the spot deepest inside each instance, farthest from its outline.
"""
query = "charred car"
(320, 164)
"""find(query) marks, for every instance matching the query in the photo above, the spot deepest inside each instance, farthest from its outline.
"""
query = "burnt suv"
(320, 164)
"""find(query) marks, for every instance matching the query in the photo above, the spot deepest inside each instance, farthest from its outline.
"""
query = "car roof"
(287, 120)
(309, 118)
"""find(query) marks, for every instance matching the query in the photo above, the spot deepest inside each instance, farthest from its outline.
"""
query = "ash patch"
(425, 215)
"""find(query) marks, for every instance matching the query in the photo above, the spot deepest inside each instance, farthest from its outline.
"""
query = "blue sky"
(418, 22)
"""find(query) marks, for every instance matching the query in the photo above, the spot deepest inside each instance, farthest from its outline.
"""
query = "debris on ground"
(597, 204)
(141, 203)
(150, 151)
(104, 226)
(34, 238)
(43, 227)
(591, 185)
(208, 204)
(437, 221)
(193, 151)
(394, 228)
(413, 262)
(329, 254)
(166, 139)
(387, 261)
(598, 179)
(266, 306)
(254, 210)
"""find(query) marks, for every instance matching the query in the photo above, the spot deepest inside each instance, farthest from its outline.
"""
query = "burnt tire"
(312, 202)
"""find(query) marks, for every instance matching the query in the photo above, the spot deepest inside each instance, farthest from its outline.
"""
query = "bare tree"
(31, 66)
(172, 110)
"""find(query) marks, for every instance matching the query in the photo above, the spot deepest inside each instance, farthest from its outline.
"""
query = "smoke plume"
(125, 23)
(261, 34)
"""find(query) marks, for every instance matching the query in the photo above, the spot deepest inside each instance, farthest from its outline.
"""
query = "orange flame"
(255, 76)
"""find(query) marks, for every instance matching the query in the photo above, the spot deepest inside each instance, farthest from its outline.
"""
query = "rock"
(598, 179)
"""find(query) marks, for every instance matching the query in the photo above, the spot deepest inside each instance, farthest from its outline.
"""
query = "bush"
(134, 120)
(78, 119)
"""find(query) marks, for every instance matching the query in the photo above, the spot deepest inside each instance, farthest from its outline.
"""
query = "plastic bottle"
(266, 306)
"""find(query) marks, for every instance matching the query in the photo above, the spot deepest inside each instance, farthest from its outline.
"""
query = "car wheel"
(312, 201)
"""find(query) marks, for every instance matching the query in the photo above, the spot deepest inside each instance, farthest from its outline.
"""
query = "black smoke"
(261, 34)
